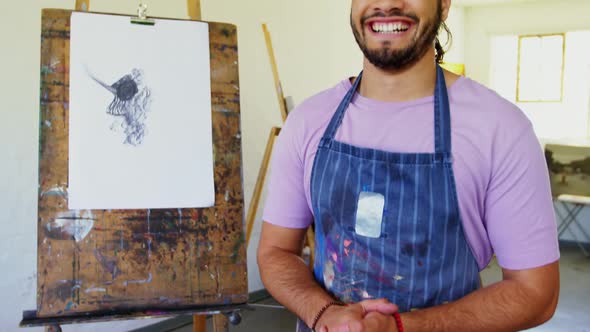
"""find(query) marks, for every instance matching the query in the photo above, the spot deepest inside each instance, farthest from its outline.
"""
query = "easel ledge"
(30, 318)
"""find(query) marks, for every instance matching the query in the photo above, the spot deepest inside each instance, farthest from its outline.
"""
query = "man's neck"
(411, 83)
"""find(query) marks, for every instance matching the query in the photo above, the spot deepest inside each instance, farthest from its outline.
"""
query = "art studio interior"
(161, 157)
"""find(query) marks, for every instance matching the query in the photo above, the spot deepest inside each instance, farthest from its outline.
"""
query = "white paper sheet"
(140, 114)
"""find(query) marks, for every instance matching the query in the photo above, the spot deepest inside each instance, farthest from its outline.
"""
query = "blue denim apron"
(387, 224)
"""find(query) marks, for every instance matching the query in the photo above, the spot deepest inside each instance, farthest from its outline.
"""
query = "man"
(411, 194)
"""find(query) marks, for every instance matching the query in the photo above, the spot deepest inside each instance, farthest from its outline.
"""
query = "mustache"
(393, 13)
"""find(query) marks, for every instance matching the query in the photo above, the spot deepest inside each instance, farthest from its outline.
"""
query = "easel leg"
(250, 219)
(275, 73)
(53, 328)
(199, 323)
(83, 5)
(220, 323)
(311, 243)
(194, 12)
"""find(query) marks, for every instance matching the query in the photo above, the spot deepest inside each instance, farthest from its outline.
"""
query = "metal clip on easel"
(142, 15)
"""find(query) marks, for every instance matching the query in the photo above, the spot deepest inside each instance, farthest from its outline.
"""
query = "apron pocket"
(369, 214)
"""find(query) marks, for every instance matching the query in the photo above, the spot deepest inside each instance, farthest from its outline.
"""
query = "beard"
(387, 58)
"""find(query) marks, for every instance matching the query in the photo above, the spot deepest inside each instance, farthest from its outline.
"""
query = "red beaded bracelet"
(321, 312)
(398, 322)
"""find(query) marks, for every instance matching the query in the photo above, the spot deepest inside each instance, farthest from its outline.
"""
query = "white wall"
(456, 23)
(552, 120)
(482, 23)
(315, 49)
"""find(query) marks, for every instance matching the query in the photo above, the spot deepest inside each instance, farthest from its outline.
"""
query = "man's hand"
(278, 251)
(342, 316)
(373, 322)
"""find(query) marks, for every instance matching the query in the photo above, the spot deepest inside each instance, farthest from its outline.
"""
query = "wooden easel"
(275, 73)
(194, 12)
(220, 321)
(274, 132)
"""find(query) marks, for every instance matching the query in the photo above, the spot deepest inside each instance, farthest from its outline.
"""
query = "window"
(540, 68)
(569, 118)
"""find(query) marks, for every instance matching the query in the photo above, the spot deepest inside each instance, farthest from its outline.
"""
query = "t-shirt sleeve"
(286, 203)
(519, 213)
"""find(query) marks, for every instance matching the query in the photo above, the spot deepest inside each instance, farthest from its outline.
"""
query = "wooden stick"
(220, 323)
(194, 9)
(194, 12)
(199, 323)
(275, 73)
(311, 242)
(83, 5)
(251, 218)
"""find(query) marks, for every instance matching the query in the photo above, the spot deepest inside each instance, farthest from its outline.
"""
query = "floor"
(573, 312)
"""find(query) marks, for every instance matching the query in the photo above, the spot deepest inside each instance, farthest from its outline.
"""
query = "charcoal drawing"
(135, 115)
(130, 105)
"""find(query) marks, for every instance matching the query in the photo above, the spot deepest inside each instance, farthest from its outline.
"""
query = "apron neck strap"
(442, 117)
(330, 132)
(442, 114)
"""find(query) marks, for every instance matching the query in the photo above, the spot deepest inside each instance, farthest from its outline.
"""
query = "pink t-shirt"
(500, 170)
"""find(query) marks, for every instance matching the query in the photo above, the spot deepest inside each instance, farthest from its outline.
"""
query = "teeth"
(389, 27)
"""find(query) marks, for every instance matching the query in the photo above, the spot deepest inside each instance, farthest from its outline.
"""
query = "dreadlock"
(440, 49)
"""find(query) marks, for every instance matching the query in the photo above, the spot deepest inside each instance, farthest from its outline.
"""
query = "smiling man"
(415, 178)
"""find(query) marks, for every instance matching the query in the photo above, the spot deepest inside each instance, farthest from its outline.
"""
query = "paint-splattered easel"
(220, 321)
(200, 265)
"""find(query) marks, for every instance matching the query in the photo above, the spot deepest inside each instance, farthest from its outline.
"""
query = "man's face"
(394, 34)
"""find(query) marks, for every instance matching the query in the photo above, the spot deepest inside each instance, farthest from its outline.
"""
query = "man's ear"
(446, 6)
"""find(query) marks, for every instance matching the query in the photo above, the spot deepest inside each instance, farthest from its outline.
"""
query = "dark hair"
(440, 49)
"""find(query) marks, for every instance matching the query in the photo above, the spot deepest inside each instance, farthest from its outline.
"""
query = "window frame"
(520, 38)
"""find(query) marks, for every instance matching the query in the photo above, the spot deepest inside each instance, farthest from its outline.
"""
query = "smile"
(389, 28)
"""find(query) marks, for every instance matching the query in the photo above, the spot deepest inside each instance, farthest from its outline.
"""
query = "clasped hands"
(365, 316)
